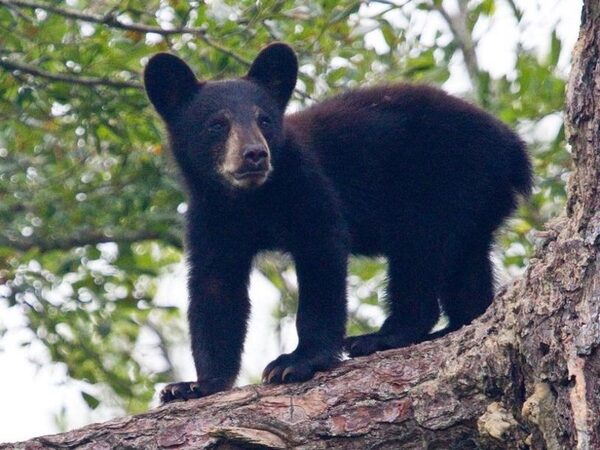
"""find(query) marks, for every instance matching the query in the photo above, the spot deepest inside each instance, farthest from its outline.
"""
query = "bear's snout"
(255, 158)
(247, 161)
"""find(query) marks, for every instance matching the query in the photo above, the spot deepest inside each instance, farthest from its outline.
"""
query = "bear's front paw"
(188, 390)
(180, 391)
(296, 367)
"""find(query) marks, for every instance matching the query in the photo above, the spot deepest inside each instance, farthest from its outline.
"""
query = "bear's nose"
(255, 155)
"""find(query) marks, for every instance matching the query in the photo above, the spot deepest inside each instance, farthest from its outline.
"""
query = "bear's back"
(400, 119)
(400, 151)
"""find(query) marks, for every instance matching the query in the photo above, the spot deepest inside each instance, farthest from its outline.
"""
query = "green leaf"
(91, 401)
(555, 48)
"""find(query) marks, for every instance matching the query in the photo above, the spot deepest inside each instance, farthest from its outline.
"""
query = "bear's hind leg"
(412, 297)
(470, 291)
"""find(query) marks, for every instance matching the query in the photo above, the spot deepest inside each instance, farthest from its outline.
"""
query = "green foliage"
(82, 159)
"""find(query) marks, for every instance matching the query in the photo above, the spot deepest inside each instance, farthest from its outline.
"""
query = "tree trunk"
(524, 375)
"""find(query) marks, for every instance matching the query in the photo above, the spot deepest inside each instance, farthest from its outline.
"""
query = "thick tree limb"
(524, 375)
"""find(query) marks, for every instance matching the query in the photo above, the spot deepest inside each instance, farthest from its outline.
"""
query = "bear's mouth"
(250, 175)
(249, 178)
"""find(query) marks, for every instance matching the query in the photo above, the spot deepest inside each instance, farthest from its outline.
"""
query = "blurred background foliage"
(90, 206)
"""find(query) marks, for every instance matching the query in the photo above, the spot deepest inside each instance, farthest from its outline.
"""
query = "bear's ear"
(169, 83)
(276, 69)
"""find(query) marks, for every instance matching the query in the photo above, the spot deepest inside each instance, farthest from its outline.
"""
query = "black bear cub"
(399, 170)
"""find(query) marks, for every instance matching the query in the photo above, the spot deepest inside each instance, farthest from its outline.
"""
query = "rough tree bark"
(525, 375)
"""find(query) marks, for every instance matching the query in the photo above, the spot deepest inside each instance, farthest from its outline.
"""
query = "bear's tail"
(521, 172)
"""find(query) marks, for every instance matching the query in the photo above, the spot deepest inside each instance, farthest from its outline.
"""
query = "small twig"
(20, 14)
(163, 346)
(516, 11)
(394, 4)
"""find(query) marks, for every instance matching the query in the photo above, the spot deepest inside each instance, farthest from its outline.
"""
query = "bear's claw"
(296, 367)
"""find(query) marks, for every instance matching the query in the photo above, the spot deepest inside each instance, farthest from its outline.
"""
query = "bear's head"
(225, 131)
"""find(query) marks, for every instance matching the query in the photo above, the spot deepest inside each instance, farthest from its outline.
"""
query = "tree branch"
(462, 36)
(389, 399)
(76, 79)
(112, 20)
(89, 238)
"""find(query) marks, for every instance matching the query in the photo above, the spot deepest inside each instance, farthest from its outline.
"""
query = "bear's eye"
(217, 126)
(264, 121)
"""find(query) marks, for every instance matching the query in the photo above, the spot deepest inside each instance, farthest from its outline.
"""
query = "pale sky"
(31, 396)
